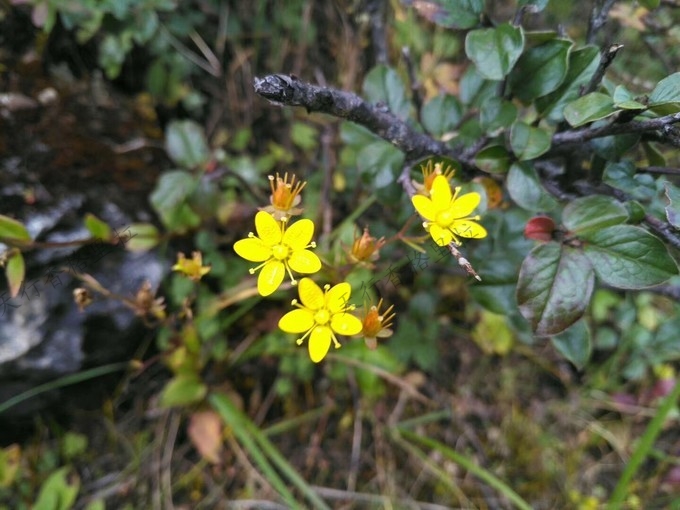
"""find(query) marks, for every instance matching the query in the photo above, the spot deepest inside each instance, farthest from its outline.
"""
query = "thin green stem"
(67, 380)
(643, 448)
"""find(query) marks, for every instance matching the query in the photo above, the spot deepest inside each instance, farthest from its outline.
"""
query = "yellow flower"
(365, 248)
(280, 250)
(448, 217)
(376, 325)
(193, 268)
(285, 196)
(321, 316)
(429, 174)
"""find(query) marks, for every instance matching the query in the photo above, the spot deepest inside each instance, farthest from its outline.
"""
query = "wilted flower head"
(280, 250)
(146, 303)
(376, 325)
(430, 171)
(193, 267)
(285, 196)
(365, 248)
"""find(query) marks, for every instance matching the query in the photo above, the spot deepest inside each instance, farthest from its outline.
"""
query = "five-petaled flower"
(430, 172)
(193, 267)
(447, 217)
(320, 316)
(280, 250)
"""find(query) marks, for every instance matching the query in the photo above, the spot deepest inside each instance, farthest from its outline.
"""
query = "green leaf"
(169, 200)
(589, 108)
(650, 4)
(574, 344)
(182, 390)
(554, 287)
(615, 146)
(526, 190)
(475, 90)
(493, 159)
(538, 5)
(441, 115)
(15, 270)
(458, 14)
(628, 257)
(56, 493)
(97, 227)
(186, 143)
(495, 50)
(622, 175)
(582, 65)
(304, 136)
(13, 229)
(529, 142)
(540, 70)
(594, 211)
(383, 84)
(142, 237)
(379, 163)
(665, 98)
(496, 114)
(673, 207)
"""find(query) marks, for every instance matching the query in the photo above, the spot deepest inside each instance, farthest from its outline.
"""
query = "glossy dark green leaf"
(589, 108)
(582, 65)
(673, 208)
(16, 271)
(474, 89)
(493, 159)
(613, 147)
(383, 84)
(441, 114)
(628, 257)
(379, 164)
(181, 390)
(496, 114)
(540, 70)
(575, 344)
(459, 14)
(554, 287)
(665, 98)
(495, 50)
(186, 143)
(13, 229)
(526, 190)
(529, 142)
(622, 175)
(594, 211)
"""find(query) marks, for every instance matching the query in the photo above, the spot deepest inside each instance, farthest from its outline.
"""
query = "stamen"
(336, 344)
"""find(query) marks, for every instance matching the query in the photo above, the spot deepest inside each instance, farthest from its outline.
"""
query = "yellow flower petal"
(253, 249)
(441, 193)
(465, 204)
(304, 261)
(299, 234)
(346, 324)
(337, 297)
(424, 206)
(468, 228)
(319, 343)
(441, 236)
(297, 321)
(310, 294)
(268, 229)
(270, 277)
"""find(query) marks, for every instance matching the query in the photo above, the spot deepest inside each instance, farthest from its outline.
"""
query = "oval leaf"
(628, 257)
(459, 14)
(493, 159)
(15, 271)
(574, 344)
(525, 189)
(496, 114)
(554, 287)
(169, 197)
(673, 207)
(595, 211)
(441, 114)
(495, 50)
(143, 237)
(589, 108)
(183, 390)
(186, 143)
(383, 84)
(540, 70)
(13, 229)
(97, 227)
(665, 98)
(528, 142)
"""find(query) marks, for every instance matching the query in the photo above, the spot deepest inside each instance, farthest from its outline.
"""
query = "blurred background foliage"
(463, 407)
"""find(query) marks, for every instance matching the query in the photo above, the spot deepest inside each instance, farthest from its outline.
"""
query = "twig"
(659, 170)
(288, 91)
(377, 12)
(598, 19)
(414, 83)
(636, 126)
(607, 56)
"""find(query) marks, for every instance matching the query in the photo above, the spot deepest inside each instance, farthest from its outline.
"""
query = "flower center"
(280, 251)
(444, 218)
(322, 317)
